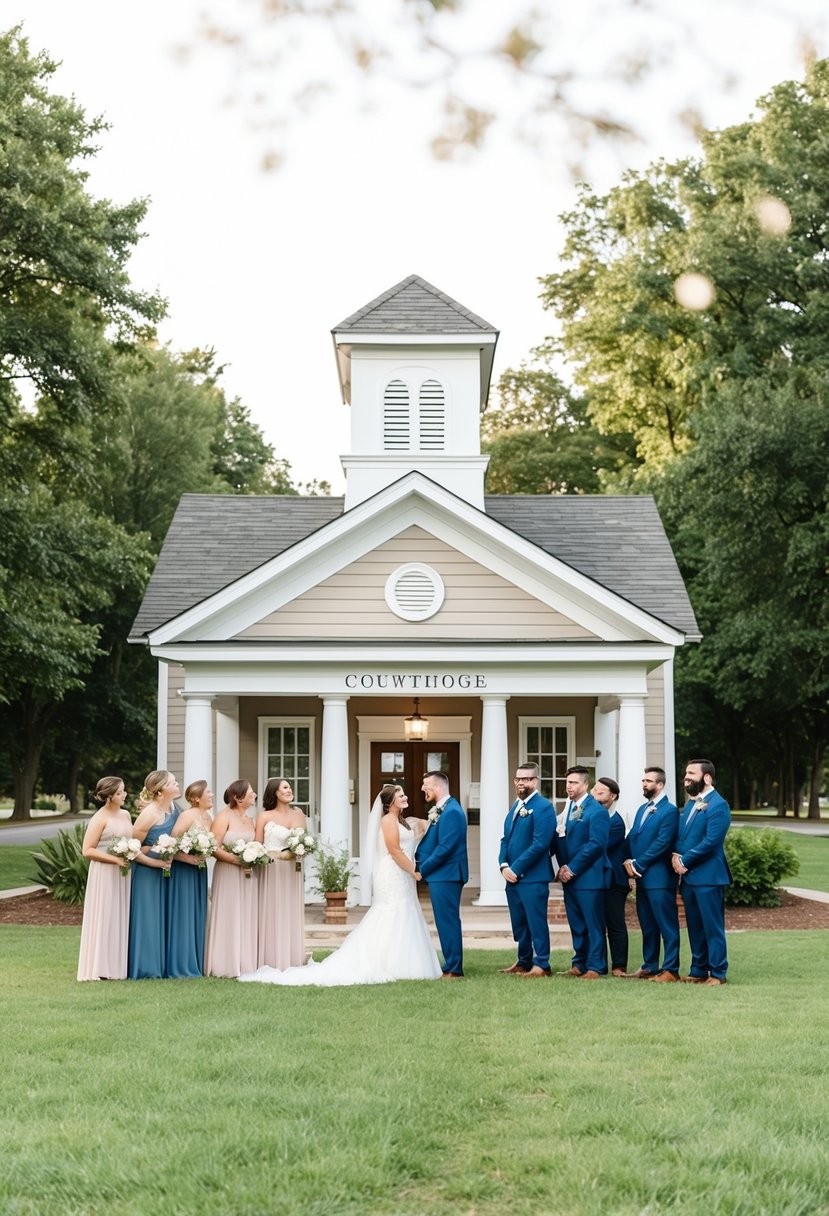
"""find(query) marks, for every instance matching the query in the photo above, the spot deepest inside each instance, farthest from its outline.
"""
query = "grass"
(16, 865)
(813, 852)
(490, 1096)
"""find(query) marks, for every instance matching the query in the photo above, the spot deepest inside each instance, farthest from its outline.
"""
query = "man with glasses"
(528, 871)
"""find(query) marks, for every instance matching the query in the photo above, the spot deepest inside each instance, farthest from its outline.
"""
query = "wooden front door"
(398, 763)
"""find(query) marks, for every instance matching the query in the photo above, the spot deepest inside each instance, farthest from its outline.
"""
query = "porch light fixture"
(416, 727)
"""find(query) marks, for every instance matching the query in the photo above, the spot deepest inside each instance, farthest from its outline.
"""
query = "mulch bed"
(793, 913)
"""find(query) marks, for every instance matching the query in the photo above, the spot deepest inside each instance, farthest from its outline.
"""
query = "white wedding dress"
(390, 943)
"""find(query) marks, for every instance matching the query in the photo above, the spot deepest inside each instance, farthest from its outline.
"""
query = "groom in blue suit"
(580, 848)
(650, 845)
(699, 859)
(441, 859)
(528, 871)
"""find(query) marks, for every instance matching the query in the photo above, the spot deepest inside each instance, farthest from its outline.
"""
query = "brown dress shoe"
(535, 973)
(692, 979)
(571, 973)
(641, 974)
(515, 969)
(665, 977)
(450, 975)
(618, 972)
(713, 982)
(590, 975)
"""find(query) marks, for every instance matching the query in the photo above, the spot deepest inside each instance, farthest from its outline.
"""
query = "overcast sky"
(260, 266)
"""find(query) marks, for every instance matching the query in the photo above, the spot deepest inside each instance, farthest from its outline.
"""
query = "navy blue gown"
(149, 912)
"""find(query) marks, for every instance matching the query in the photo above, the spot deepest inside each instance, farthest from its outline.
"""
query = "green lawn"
(489, 1096)
(16, 865)
(813, 852)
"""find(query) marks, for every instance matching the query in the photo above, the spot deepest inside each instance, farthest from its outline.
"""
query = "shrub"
(45, 804)
(758, 858)
(62, 867)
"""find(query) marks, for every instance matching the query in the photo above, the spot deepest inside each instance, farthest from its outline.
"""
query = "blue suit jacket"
(617, 851)
(441, 855)
(700, 846)
(525, 845)
(651, 843)
(584, 847)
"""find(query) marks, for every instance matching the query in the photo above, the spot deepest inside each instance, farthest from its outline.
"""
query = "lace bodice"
(391, 882)
(275, 836)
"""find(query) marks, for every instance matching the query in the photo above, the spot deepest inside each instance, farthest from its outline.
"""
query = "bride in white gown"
(392, 940)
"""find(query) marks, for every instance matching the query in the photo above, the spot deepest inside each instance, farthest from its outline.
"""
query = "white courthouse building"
(311, 637)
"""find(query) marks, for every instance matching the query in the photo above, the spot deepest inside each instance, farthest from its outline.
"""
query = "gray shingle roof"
(414, 306)
(618, 541)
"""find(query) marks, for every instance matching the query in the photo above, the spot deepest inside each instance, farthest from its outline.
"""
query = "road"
(35, 830)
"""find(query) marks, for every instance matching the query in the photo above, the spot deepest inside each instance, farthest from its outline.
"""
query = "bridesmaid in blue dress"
(150, 896)
(187, 918)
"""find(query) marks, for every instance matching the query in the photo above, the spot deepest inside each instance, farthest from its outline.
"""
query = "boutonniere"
(576, 814)
(524, 812)
(561, 829)
(434, 815)
(700, 805)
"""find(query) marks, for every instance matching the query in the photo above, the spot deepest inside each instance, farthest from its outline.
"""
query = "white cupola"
(415, 367)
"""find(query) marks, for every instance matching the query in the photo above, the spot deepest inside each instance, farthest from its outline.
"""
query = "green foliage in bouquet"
(758, 858)
(334, 869)
(62, 867)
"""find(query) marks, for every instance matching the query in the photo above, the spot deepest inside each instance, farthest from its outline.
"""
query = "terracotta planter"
(335, 911)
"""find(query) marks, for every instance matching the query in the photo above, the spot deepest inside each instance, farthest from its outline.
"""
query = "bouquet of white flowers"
(198, 842)
(250, 853)
(301, 844)
(165, 847)
(126, 849)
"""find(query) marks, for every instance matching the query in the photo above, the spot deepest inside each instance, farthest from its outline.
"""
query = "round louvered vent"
(414, 592)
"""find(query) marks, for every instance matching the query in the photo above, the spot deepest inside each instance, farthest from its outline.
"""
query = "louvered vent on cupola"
(396, 425)
(432, 417)
(414, 592)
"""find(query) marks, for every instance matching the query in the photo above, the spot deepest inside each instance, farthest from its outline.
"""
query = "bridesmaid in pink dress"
(281, 894)
(232, 934)
(106, 905)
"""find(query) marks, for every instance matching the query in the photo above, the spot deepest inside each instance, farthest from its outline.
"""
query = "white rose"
(249, 853)
(203, 841)
(309, 840)
(300, 850)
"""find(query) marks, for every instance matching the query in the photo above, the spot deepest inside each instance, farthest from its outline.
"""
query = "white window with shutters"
(414, 592)
(396, 417)
(431, 416)
(414, 414)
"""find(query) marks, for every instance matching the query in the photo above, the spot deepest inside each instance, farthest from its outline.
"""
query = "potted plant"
(334, 869)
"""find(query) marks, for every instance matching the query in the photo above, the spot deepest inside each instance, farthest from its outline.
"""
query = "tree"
(541, 440)
(750, 217)
(65, 295)
(748, 510)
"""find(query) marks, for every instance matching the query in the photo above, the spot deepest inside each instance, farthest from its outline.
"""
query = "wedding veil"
(372, 838)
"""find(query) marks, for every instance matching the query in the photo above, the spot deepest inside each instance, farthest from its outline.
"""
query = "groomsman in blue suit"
(580, 848)
(441, 859)
(650, 845)
(528, 871)
(699, 860)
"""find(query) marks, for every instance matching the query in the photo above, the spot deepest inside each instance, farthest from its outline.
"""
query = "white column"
(198, 738)
(605, 726)
(227, 748)
(162, 715)
(335, 808)
(670, 736)
(495, 797)
(632, 758)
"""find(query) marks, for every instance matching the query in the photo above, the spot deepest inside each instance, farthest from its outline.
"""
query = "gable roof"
(414, 306)
(619, 542)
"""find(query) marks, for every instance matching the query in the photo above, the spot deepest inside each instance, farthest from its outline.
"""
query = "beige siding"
(478, 603)
(655, 718)
(175, 720)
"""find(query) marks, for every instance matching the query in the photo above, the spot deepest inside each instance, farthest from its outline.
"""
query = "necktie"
(648, 810)
(518, 808)
(690, 816)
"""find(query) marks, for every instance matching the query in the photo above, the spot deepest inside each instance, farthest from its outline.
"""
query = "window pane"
(547, 744)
